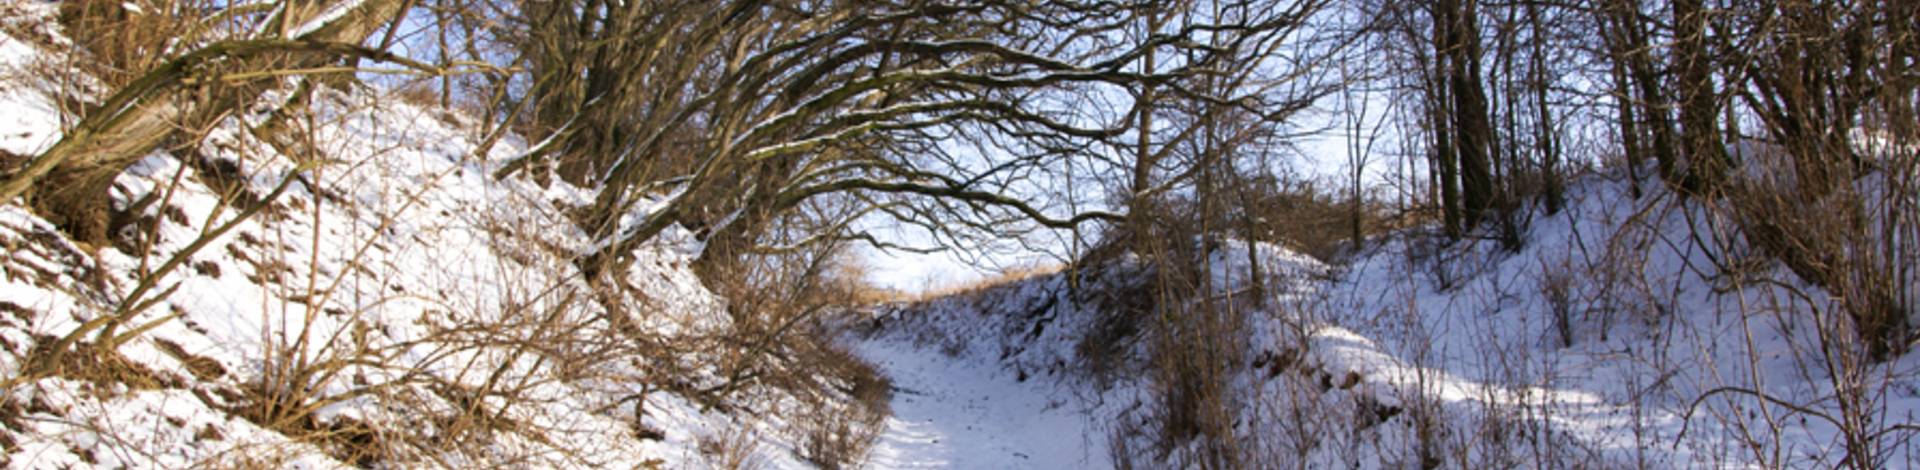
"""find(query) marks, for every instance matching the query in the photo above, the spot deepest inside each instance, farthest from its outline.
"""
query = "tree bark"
(1623, 97)
(1654, 114)
(69, 183)
(1473, 132)
(1543, 129)
(1707, 161)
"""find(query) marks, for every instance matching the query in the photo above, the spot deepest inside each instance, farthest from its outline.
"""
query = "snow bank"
(1608, 339)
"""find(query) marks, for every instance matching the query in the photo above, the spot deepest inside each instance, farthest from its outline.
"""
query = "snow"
(30, 122)
(400, 252)
(334, 12)
(182, 433)
(960, 414)
(1467, 333)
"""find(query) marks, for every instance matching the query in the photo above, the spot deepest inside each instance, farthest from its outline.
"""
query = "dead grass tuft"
(974, 287)
(128, 38)
(733, 449)
(1123, 304)
(99, 366)
(345, 439)
(201, 367)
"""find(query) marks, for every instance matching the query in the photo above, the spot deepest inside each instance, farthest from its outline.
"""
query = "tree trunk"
(1617, 57)
(1140, 210)
(1544, 131)
(1653, 104)
(1473, 133)
(1707, 160)
(69, 183)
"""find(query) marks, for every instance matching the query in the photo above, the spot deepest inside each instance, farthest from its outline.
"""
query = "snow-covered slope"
(1042, 372)
(394, 304)
(1611, 337)
(1608, 340)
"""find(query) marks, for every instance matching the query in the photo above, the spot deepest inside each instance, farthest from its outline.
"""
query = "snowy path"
(958, 413)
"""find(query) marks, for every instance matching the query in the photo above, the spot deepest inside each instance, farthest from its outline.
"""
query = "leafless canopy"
(968, 112)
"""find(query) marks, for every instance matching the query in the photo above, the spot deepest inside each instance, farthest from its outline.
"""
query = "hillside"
(435, 234)
(396, 305)
(1453, 355)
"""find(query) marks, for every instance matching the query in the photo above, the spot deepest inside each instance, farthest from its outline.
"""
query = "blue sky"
(1323, 156)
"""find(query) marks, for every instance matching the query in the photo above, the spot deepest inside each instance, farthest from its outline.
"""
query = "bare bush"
(126, 39)
(736, 448)
(1304, 217)
(1835, 243)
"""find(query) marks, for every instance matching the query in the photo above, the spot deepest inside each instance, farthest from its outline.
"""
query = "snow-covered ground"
(955, 413)
(404, 280)
(1609, 339)
(418, 310)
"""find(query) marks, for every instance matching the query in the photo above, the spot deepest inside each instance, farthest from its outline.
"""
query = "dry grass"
(1837, 233)
(1123, 300)
(1192, 342)
(1304, 217)
(843, 401)
(127, 42)
(1829, 241)
(736, 448)
(459, 372)
(1556, 286)
(788, 310)
(96, 365)
(971, 288)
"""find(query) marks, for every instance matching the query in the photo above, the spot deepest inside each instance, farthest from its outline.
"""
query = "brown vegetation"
(775, 130)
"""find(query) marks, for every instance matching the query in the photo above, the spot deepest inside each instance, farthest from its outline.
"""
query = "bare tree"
(1706, 154)
(1813, 72)
(748, 113)
(186, 95)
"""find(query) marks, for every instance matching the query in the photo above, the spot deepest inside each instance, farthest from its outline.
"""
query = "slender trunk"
(1448, 160)
(1143, 156)
(1707, 160)
(1544, 131)
(1654, 113)
(70, 181)
(1623, 99)
(1473, 132)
